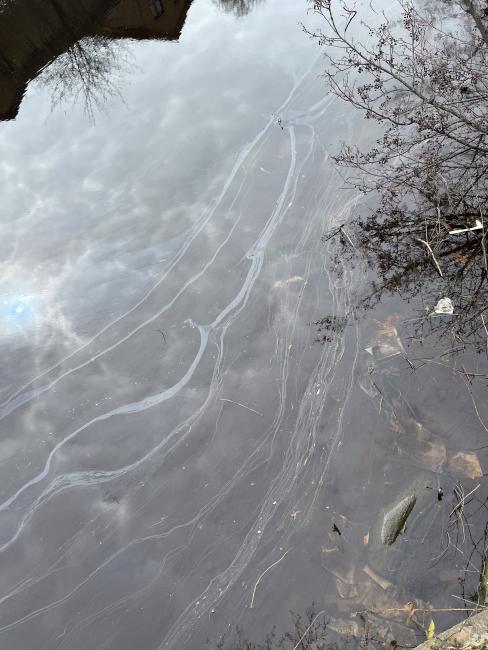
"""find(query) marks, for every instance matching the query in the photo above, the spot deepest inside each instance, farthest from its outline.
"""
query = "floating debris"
(336, 529)
(386, 342)
(444, 306)
(281, 284)
(478, 226)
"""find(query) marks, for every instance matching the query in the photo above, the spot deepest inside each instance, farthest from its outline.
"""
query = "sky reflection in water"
(170, 426)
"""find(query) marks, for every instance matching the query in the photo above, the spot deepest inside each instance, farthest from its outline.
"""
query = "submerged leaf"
(435, 456)
(466, 463)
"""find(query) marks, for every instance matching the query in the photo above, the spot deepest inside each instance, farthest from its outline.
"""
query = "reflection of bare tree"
(88, 71)
(237, 7)
(423, 77)
(399, 267)
(34, 32)
(404, 269)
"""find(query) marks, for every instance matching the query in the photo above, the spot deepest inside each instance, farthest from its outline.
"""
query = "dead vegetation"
(311, 631)
(421, 74)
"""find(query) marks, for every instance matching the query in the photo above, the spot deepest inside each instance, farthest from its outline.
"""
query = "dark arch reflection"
(76, 46)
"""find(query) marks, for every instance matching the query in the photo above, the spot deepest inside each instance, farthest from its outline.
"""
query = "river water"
(190, 436)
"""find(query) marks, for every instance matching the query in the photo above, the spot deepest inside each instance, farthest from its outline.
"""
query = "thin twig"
(462, 499)
(223, 399)
(467, 600)
(409, 362)
(341, 228)
(307, 630)
(476, 407)
(427, 245)
(486, 330)
(263, 574)
(483, 235)
(426, 609)
(331, 233)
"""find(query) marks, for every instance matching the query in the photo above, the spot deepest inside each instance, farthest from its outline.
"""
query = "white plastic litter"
(478, 226)
(444, 306)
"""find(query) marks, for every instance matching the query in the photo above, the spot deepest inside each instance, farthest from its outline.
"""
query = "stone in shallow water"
(470, 634)
(395, 519)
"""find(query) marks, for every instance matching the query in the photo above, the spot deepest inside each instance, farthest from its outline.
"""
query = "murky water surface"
(199, 428)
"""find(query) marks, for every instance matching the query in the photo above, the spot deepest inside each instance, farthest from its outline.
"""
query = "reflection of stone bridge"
(34, 32)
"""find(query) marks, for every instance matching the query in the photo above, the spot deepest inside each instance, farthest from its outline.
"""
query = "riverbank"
(471, 634)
